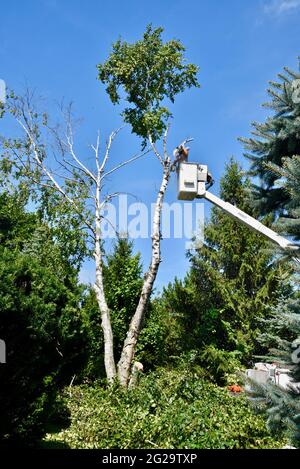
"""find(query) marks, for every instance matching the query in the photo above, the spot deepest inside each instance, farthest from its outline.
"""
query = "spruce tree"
(289, 222)
(282, 337)
(282, 330)
(275, 139)
(275, 157)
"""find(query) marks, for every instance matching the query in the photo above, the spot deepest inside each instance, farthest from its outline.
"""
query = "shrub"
(221, 366)
(170, 409)
(41, 325)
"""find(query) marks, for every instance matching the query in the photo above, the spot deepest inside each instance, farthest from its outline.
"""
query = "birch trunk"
(128, 350)
(109, 361)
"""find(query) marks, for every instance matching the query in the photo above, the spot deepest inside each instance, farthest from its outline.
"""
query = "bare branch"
(108, 147)
(108, 198)
(74, 166)
(39, 162)
(134, 158)
(56, 185)
(70, 144)
(110, 223)
(111, 196)
(96, 150)
(187, 140)
(82, 180)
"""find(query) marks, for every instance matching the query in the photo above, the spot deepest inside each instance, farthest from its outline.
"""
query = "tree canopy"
(146, 74)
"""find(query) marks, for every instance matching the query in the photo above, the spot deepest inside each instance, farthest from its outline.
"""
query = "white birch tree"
(148, 71)
(44, 159)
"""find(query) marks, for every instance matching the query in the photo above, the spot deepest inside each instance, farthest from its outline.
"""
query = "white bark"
(109, 361)
(128, 350)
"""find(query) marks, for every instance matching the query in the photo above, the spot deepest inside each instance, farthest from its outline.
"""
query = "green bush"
(169, 409)
(221, 366)
(40, 322)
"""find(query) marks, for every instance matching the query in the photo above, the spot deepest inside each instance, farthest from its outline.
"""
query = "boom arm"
(192, 180)
(250, 221)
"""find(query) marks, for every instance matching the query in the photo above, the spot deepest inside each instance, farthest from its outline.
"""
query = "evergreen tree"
(282, 334)
(40, 322)
(232, 281)
(275, 157)
(275, 139)
(282, 337)
(289, 222)
(233, 273)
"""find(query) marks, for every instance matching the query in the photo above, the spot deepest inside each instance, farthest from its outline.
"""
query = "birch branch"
(156, 152)
(108, 147)
(51, 178)
(69, 171)
(73, 154)
(108, 198)
(96, 150)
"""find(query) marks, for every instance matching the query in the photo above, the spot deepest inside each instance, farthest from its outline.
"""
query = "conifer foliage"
(275, 157)
(123, 284)
(233, 270)
(232, 281)
(275, 140)
(282, 337)
(40, 322)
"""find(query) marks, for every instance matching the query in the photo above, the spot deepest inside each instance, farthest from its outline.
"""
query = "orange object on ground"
(234, 388)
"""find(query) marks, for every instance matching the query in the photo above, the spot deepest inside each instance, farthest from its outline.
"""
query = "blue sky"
(54, 46)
